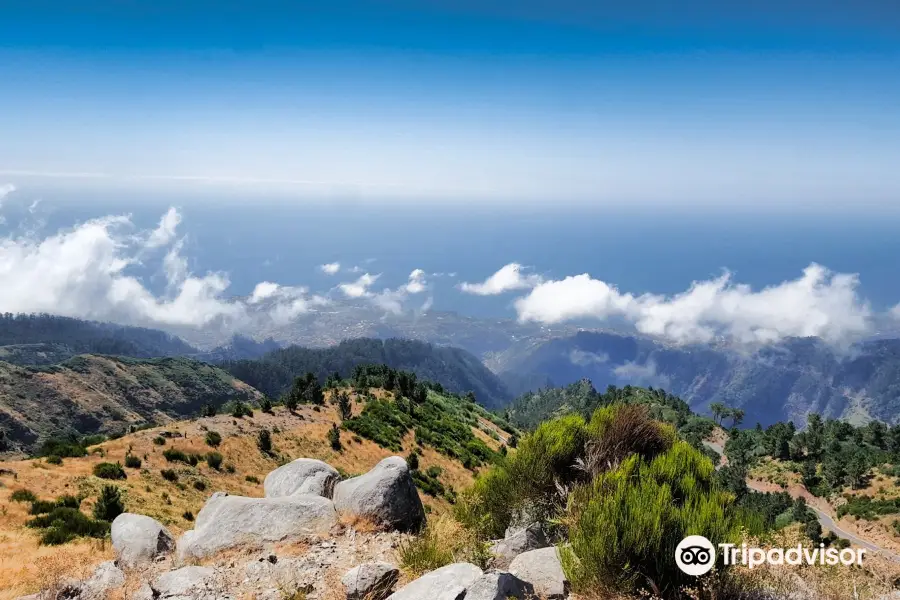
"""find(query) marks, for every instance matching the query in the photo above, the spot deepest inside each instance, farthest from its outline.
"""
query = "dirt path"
(825, 519)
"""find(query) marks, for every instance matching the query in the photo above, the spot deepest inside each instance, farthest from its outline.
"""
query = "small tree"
(265, 405)
(291, 402)
(513, 441)
(264, 441)
(412, 461)
(344, 406)
(334, 437)
(208, 410)
(109, 504)
(213, 438)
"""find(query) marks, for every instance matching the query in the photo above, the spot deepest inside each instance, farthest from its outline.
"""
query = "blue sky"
(784, 103)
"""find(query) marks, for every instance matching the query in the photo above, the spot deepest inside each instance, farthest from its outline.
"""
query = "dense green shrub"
(62, 525)
(54, 460)
(264, 441)
(159, 440)
(169, 474)
(214, 460)
(107, 470)
(213, 438)
(132, 461)
(252, 479)
(334, 437)
(653, 504)
(187, 515)
(174, 455)
(109, 504)
(23, 495)
(70, 447)
(868, 508)
(199, 485)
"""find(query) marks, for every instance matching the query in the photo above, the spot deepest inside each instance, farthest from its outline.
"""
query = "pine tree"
(109, 504)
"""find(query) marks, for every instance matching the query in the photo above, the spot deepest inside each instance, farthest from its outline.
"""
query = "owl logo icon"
(695, 555)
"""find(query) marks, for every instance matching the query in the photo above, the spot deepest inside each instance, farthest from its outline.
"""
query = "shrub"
(65, 524)
(334, 437)
(106, 470)
(265, 405)
(229, 468)
(132, 461)
(39, 507)
(187, 515)
(64, 447)
(412, 461)
(213, 438)
(199, 486)
(169, 474)
(252, 479)
(109, 504)
(68, 501)
(159, 440)
(54, 460)
(264, 441)
(23, 495)
(173, 455)
(654, 504)
(214, 460)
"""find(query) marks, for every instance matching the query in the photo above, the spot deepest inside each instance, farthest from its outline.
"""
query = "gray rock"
(302, 476)
(386, 494)
(138, 539)
(228, 521)
(370, 581)
(518, 541)
(107, 576)
(186, 583)
(497, 585)
(446, 583)
(542, 569)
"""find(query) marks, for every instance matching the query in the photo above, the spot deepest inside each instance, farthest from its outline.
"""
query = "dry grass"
(146, 492)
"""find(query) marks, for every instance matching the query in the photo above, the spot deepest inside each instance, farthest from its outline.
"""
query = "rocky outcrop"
(516, 542)
(370, 581)
(107, 577)
(386, 495)
(138, 539)
(302, 476)
(446, 583)
(228, 521)
(187, 583)
(542, 569)
(497, 585)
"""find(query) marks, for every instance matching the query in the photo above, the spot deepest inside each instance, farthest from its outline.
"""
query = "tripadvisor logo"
(696, 555)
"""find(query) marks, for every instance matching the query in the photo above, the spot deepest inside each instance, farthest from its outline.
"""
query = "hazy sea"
(637, 250)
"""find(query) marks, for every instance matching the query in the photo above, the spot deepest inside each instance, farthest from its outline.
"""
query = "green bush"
(106, 470)
(653, 504)
(40, 507)
(199, 485)
(264, 441)
(334, 437)
(213, 438)
(132, 461)
(214, 460)
(173, 455)
(169, 474)
(23, 495)
(68, 501)
(109, 504)
(65, 524)
(159, 440)
(252, 479)
(187, 515)
(54, 460)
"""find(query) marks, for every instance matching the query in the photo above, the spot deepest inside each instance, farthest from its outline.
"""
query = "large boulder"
(497, 585)
(542, 569)
(446, 583)
(370, 581)
(227, 521)
(386, 495)
(138, 539)
(516, 542)
(302, 476)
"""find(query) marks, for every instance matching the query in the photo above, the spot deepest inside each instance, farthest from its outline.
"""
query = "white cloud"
(393, 301)
(584, 359)
(818, 303)
(360, 287)
(263, 291)
(416, 283)
(84, 272)
(166, 230)
(507, 279)
(330, 268)
(638, 374)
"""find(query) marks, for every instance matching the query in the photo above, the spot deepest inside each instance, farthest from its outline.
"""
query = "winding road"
(825, 520)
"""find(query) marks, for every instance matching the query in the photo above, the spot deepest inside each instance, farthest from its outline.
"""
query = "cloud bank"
(330, 268)
(819, 303)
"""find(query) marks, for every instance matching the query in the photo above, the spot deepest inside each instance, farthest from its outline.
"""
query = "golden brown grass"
(146, 492)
